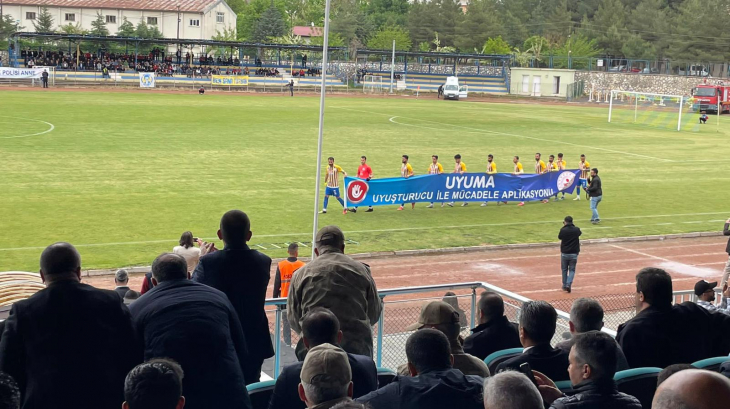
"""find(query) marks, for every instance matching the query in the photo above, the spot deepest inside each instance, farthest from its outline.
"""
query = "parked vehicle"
(706, 98)
(694, 71)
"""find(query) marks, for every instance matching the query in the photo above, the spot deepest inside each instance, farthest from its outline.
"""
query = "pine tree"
(126, 29)
(44, 22)
(142, 31)
(270, 25)
(98, 26)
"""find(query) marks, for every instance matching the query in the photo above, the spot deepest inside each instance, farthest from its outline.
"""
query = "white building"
(199, 19)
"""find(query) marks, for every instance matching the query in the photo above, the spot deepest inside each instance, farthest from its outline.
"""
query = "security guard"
(284, 272)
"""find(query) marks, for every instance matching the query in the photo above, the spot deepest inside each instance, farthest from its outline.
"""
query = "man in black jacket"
(726, 232)
(121, 279)
(592, 366)
(243, 275)
(596, 194)
(569, 237)
(662, 334)
(196, 326)
(321, 326)
(494, 332)
(69, 345)
(538, 320)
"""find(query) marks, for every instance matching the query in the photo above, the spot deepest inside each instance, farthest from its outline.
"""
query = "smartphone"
(527, 370)
(195, 239)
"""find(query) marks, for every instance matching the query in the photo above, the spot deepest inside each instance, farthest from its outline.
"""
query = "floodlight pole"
(325, 43)
(392, 68)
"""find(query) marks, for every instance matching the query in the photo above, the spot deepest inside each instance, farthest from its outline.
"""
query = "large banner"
(20, 73)
(229, 80)
(469, 187)
(146, 79)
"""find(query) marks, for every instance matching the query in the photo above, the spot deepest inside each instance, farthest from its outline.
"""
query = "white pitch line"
(381, 230)
(29, 135)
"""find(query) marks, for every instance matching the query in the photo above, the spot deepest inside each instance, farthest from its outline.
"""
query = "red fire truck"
(706, 98)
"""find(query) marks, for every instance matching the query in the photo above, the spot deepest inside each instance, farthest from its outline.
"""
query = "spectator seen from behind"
(671, 370)
(282, 281)
(494, 332)
(345, 286)
(188, 250)
(662, 334)
(586, 315)
(326, 378)
(592, 367)
(693, 389)
(243, 275)
(705, 293)
(320, 326)
(156, 384)
(726, 232)
(442, 317)
(569, 249)
(538, 320)
(511, 390)
(9, 392)
(198, 327)
(433, 384)
(121, 279)
(69, 345)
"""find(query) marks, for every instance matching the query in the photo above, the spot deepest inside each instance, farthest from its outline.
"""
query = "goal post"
(647, 108)
(372, 84)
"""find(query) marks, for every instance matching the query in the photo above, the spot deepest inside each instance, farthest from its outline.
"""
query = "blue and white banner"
(146, 79)
(21, 73)
(469, 187)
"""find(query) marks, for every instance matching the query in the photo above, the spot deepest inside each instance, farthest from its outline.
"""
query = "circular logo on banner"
(565, 180)
(357, 191)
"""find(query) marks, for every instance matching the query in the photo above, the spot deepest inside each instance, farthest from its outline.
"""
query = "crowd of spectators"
(195, 340)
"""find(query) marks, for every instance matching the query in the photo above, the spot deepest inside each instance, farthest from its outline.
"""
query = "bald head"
(169, 266)
(60, 261)
(692, 389)
(235, 228)
(491, 306)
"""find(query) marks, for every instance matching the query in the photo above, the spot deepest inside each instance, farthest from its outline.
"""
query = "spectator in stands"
(121, 279)
(350, 405)
(146, 283)
(282, 281)
(705, 293)
(243, 274)
(9, 392)
(320, 326)
(661, 334)
(511, 390)
(538, 320)
(725, 368)
(726, 274)
(433, 384)
(198, 327)
(326, 378)
(345, 286)
(442, 317)
(494, 332)
(586, 315)
(693, 389)
(130, 296)
(671, 370)
(70, 345)
(592, 366)
(155, 384)
(569, 237)
(187, 249)
(451, 299)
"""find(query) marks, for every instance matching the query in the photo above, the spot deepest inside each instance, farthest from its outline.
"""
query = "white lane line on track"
(675, 266)
(379, 230)
(50, 129)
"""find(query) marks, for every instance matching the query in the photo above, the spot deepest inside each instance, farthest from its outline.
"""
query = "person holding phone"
(188, 251)
(726, 232)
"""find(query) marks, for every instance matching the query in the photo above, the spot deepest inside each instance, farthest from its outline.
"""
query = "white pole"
(392, 68)
(321, 122)
(636, 106)
(679, 120)
(610, 107)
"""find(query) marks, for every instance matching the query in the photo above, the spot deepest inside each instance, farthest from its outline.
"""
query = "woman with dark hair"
(187, 249)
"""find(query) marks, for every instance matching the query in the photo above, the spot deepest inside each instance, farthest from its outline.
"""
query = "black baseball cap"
(703, 286)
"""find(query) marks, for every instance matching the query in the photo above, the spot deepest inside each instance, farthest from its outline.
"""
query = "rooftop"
(152, 5)
(307, 31)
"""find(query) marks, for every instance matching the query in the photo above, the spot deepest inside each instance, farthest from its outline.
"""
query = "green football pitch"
(122, 175)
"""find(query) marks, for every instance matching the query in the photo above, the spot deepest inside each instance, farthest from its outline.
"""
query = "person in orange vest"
(284, 272)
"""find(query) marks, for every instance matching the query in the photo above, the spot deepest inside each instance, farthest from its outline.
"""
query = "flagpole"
(321, 122)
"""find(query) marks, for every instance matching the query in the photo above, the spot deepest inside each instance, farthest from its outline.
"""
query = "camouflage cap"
(435, 313)
(330, 236)
(326, 365)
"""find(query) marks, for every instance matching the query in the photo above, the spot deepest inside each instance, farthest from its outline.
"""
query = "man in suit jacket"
(196, 326)
(320, 326)
(662, 334)
(70, 345)
(538, 320)
(243, 275)
(726, 232)
(494, 332)
(121, 279)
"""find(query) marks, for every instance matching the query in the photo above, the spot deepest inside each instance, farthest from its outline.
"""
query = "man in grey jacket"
(340, 284)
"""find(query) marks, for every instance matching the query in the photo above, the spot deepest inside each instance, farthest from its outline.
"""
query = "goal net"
(372, 84)
(664, 111)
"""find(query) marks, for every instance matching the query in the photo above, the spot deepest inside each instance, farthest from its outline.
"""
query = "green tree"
(335, 40)
(384, 13)
(636, 48)
(687, 44)
(559, 24)
(651, 19)
(437, 16)
(44, 22)
(424, 47)
(496, 46)
(98, 26)
(7, 26)
(270, 25)
(480, 22)
(383, 39)
(126, 29)
(579, 48)
(72, 29)
(142, 30)
(349, 20)
(609, 26)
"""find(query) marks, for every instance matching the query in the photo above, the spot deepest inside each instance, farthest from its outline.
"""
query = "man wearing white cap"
(326, 377)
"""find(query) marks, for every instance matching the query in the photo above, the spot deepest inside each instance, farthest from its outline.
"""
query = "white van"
(452, 89)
